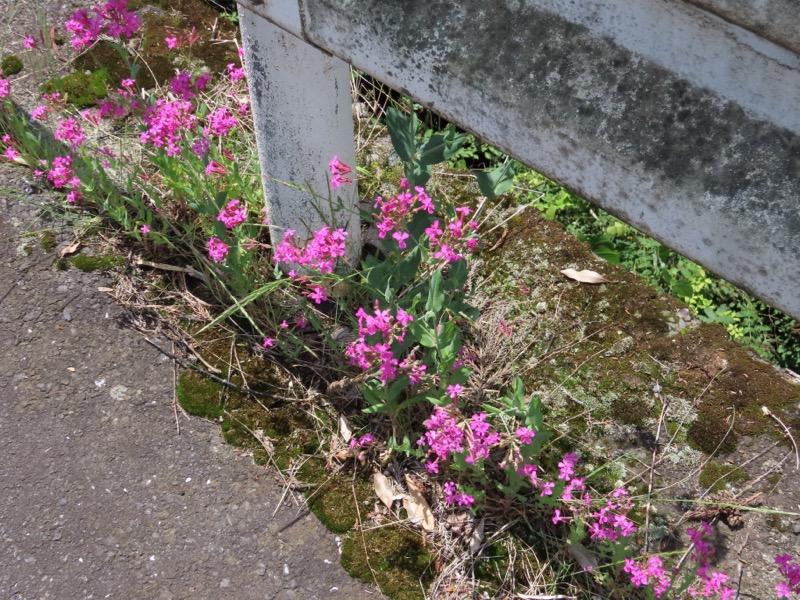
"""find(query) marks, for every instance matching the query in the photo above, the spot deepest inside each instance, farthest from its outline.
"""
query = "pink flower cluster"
(5, 87)
(186, 87)
(61, 174)
(791, 571)
(708, 583)
(217, 249)
(395, 213)
(449, 239)
(175, 40)
(321, 253)
(452, 237)
(234, 213)
(445, 436)
(52, 103)
(166, 123)
(220, 122)
(236, 73)
(338, 171)
(455, 498)
(112, 19)
(70, 131)
(379, 335)
(363, 441)
(11, 153)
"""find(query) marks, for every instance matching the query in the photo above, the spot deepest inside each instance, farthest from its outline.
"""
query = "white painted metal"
(684, 124)
(302, 112)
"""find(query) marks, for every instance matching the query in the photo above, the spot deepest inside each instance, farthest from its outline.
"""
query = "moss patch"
(199, 396)
(333, 498)
(400, 563)
(48, 241)
(712, 434)
(715, 476)
(11, 65)
(81, 89)
(85, 262)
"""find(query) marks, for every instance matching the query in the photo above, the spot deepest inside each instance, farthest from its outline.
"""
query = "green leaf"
(406, 269)
(435, 293)
(402, 130)
(457, 276)
(441, 146)
(497, 181)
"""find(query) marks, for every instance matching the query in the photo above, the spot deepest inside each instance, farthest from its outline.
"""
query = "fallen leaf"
(584, 276)
(584, 557)
(73, 247)
(344, 428)
(476, 540)
(105, 289)
(383, 487)
(21, 161)
(417, 507)
(71, 369)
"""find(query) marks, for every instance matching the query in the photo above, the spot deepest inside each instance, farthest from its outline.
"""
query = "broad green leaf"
(457, 276)
(441, 146)
(435, 292)
(402, 131)
(497, 181)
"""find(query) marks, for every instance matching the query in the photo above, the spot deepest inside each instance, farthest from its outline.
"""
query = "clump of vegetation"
(716, 476)
(402, 385)
(81, 89)
(11, 65)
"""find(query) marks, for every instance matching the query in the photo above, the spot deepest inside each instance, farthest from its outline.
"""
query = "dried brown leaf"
(383, 488)
(417, 507)
(344, 428)
(584, 276)
(71, 249)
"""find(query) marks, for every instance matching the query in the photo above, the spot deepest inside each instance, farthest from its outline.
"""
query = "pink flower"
(233, 214)
(318, 294)
(172, 42)
(5, 87)
(214, 167)
(29, 43)
(235, 73)
(166, 123)
(454, 391)
(268, 343)
(401, 237)
(525, 435)
(73, 196)
(39, 113)
(61, 174)
(217, 249)
(145, 229)
(338, 169)
(220, 122)
(11, 153)
(70, 131)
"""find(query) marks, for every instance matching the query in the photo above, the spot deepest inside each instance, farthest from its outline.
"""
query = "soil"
(101, 496)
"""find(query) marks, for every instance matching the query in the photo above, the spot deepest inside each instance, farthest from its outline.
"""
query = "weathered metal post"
(302, 113)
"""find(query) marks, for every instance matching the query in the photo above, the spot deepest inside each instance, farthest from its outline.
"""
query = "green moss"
(630, 410)
(715, 476)
(199, 396)
(395, 559)
(47, 241)
(96, 263)
(81, 89)
(332, 499)
(710, 434)
(11, 65)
